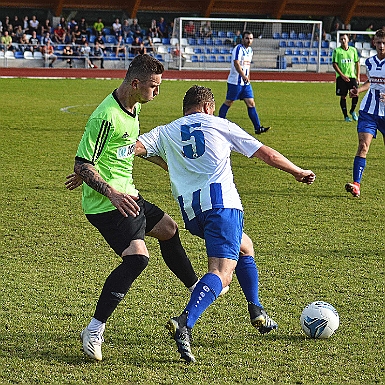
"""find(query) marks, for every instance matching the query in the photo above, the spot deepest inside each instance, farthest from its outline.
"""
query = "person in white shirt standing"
(238, 82)
(372, 111)
(197, 151)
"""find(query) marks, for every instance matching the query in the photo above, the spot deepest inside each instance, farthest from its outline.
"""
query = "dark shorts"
(342, 87)
(119, 231)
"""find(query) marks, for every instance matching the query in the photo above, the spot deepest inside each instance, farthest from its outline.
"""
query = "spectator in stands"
(48, 52)
(77, 34)
(45, 27)
(63, 23)
(98, 26)
(71, 26)
(238, 82)
(6, 41)
(59, 34)
(126, 30)
(136, 29)
(346, 63)
(333, 33)
(148, 44)
(237, 38)
(6, 23)
(161, 27)
(205, 29)
(85, 51)
(170, 29)
(17, 22)
(189, 29)
(137, 47)
(369, 29)
(18, 34)
(97, 54)
(46, 38)
(120, 46)
(68, 53)
(83, 27)
(23, 43)
(117, 28)
(33, 24)
(26, 24)
(153, 30)
(1, 27)
(34, 43)
(100, 41)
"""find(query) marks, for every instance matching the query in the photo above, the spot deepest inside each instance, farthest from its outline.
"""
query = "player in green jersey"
(104, 161)
(346, 63)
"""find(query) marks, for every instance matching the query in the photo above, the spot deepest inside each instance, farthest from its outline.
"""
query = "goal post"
(207, 43)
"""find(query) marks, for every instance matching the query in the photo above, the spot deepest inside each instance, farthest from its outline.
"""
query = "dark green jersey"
(346, 61)
(108, 143)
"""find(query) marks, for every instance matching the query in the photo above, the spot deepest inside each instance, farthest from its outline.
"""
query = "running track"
(168, 75)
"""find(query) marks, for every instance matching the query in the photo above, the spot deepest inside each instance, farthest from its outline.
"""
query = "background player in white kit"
(197, 149)
(238, 82)
(372, 110)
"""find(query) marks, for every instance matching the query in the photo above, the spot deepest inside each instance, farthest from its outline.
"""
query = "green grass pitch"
(312, 243)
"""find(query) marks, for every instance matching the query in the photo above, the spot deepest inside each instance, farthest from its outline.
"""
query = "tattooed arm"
(123, 202)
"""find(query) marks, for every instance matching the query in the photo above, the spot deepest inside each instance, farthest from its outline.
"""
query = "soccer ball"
(319, 320)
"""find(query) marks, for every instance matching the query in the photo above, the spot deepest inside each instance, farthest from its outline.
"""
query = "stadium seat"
(303, 60)
(207, 50)
(358, 45)
(221, 34)
(212, 59)
(293, 35)
(129, 40)
(315, 44)
(110, 39)
(162, 49)
(296, 52)
(301, 36)
(295, 60)
(366, 45)
(38, 55)
(276, 35)
(288, 52)
(92, 39)
(324, 52)
(306, 44)
(282, 44)
(9, 55)
(194, 58)
(305, 52)
(215, 51)
(159, 57)
(218, 42)
(291, 44)
(191, 41)
(313, 52)
(313, 60)
(200, 41)
(198, 50)
(106, 31)
(324, 44)
(189, 50)
(19, 55)
(209, 42)
(284, 35)
(165, 41)
(28, 55)
(228, 59)
(299, 44)
(174, 41)
(332, 44)
(230, 34)
(202, 58)
(221, 59)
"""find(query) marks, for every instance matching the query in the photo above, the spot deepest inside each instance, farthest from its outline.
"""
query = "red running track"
(168, 75)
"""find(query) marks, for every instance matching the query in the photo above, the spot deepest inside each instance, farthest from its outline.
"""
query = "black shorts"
(342, 87)
(119, 231)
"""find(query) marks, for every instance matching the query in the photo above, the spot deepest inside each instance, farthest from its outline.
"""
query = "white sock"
(96, 326)
(191, 288)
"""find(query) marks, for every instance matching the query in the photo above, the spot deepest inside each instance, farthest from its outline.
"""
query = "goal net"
(207, 43)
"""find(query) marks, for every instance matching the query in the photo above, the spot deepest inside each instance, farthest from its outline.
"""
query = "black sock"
(177, 261)
(343, 107)
(354, 104)
(118, 283)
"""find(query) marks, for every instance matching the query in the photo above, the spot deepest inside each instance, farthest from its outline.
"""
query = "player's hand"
(345, 78)
(306, 176)
(73, 181)
(125, 203)
(353, 92)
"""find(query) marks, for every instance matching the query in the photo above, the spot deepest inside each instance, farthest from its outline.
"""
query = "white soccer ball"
(319, 320)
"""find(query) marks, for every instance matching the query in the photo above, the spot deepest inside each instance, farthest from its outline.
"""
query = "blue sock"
(247, 274)
(223, 110)
(253, 115)
(205, 293)
(359, 165)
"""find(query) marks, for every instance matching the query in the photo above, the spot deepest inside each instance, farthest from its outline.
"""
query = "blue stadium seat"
(303, 60)
(209, 42)
(215, 51)
(291, 44)
(288, 52)
(324, 44)
(276, 35)
(218, 42)
(110, 39)
(159, 57)
(306, 43)
(191, 41)
(299, 44)
(221, 34)
(293, 35)
(129, 40)
(198, 50)
(202, 58)
(207, 50)
(106, 31)
(305, 52)
(230, 34)
(315, 44)
(165, 41)
(295, 60)
(194, 58)
(296, 52)
(282, 44)
(313, 52)
(200, 42)
(284, 35)
(19, 55)
(212, 59)
(313, 60)
(301, 36)
(221, 59)
(92, 39)
(324, 52)
(228, 59)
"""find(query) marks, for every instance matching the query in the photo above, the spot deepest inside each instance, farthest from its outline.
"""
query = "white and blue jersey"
(197, 150)
(371, 103)
(244, 56)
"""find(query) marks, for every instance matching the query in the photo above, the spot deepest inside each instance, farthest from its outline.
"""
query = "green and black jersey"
(108, 143)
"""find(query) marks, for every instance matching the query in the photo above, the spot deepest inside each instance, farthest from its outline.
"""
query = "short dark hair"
(244, 33)
(380, 33)
(196, 96)
(142, 67)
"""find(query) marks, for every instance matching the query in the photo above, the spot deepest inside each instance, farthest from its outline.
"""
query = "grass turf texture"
(312, 243)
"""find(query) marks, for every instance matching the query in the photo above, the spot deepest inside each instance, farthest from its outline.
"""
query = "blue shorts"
(237, 92)
(222, 231)
(370, 123)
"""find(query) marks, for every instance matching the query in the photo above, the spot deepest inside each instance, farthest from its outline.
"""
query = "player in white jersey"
(372, 110)
(238, 82)
(197, 151)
